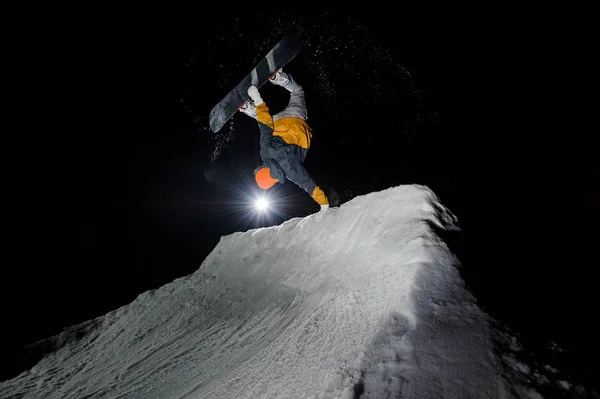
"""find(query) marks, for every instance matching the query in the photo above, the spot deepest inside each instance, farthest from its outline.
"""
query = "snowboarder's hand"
(255, 95)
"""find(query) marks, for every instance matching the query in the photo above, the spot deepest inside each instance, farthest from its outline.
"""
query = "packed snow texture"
(365, 300)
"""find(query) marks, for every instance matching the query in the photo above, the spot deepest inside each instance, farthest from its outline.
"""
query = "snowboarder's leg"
(280, 78)
(296, 107)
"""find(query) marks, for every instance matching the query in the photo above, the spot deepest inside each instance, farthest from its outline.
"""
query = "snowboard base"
(283, 52)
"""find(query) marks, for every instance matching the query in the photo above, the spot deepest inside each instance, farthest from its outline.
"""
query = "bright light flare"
(261, 204)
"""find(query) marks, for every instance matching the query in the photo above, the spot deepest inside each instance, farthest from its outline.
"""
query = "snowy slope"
(363, 300)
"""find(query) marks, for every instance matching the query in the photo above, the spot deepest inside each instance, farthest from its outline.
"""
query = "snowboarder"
(285, 140)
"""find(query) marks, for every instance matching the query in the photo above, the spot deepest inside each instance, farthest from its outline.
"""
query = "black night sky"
(117, 186)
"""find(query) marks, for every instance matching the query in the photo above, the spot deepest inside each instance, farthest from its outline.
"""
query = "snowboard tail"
(282, 53)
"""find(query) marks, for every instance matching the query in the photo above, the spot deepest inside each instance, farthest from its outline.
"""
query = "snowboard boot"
(282, 79)
(249, 109)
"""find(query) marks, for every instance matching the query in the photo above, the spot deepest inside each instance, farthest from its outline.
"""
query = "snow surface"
(361, 301)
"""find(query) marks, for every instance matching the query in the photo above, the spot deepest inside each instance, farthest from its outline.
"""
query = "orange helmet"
(263, 178)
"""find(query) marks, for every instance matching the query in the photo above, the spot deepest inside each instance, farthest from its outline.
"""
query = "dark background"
(117, 185)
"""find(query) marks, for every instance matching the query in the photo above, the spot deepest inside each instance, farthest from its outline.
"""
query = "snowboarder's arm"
(263, 116)
(265, 125)
(296, 173)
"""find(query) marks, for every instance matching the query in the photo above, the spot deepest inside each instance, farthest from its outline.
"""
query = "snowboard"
(283, 52)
